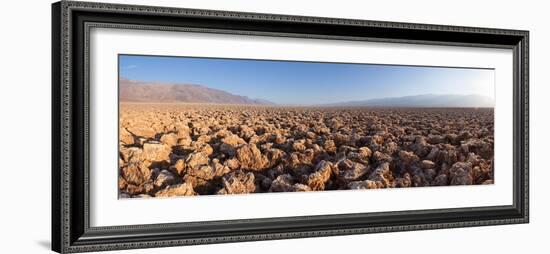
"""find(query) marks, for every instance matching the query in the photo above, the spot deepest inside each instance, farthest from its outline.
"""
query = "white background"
(25, 108)
(107, 210)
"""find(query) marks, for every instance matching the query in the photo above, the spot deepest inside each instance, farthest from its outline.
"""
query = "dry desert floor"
(198, 149)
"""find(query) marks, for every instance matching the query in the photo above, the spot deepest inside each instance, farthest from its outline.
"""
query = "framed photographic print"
(182, 126)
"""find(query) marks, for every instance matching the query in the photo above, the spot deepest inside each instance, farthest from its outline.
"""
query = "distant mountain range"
(424, 100)
(137, 91)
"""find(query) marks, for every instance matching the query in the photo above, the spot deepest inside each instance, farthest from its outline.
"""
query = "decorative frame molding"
(71, 22)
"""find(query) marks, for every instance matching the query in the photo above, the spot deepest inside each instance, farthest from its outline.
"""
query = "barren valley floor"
(200, 149)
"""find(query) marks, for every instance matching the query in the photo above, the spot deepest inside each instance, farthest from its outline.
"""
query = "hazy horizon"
(308, 83)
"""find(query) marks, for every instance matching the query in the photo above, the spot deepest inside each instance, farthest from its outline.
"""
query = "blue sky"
(288, 82)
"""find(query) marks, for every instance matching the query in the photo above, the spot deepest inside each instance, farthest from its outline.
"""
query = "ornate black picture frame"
(71, 231)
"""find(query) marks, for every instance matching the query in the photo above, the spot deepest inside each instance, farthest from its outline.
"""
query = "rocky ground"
(182, 150)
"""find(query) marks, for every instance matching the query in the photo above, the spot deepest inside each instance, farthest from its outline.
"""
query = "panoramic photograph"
(191, 126)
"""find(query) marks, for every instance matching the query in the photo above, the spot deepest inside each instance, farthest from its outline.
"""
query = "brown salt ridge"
(203, 149)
